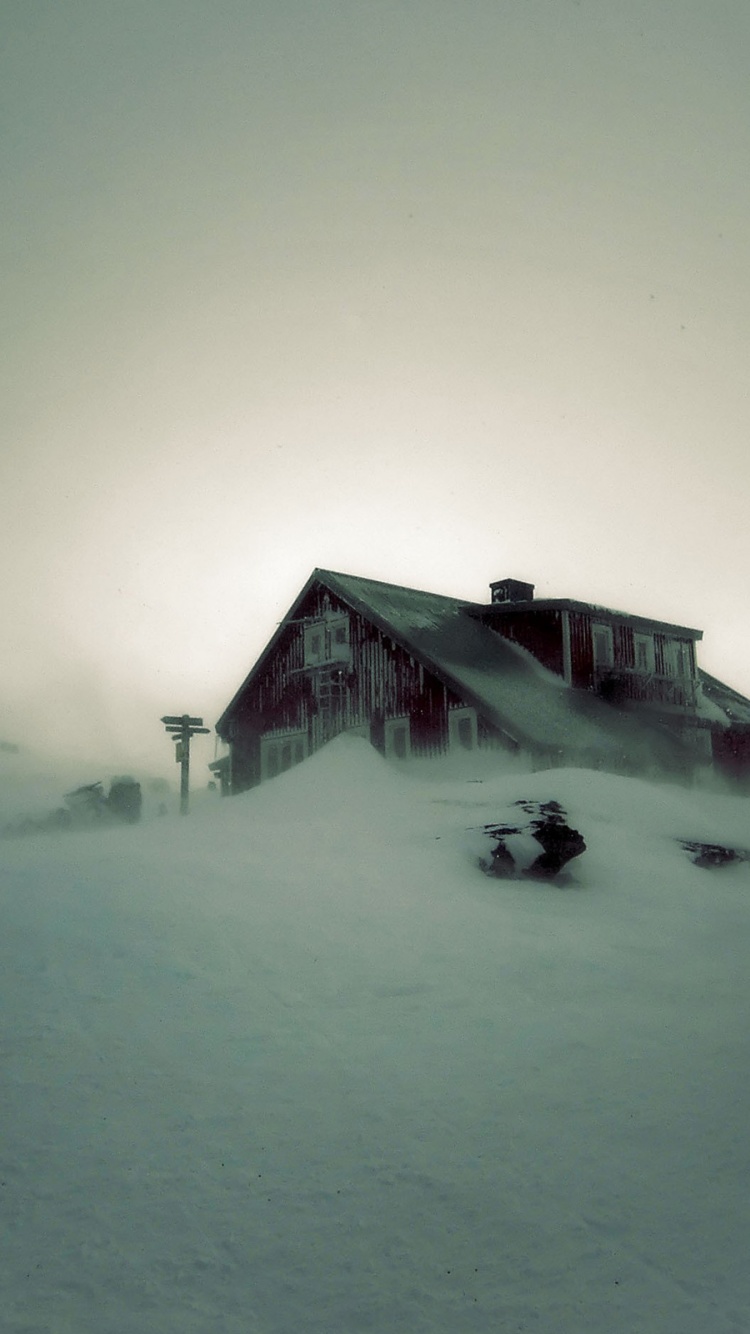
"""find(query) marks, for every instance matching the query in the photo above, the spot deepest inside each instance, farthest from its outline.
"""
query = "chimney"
(511, 590)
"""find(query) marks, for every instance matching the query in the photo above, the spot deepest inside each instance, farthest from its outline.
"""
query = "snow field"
(295, 1064)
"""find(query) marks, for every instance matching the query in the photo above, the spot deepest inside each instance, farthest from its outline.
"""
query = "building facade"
(420, 674)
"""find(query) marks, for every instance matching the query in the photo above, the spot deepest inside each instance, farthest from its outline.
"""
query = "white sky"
(429, 291)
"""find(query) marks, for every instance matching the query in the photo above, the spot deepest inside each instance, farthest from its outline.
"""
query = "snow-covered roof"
(723, 700)
(507, 685)
(500, 609)
(510, 689)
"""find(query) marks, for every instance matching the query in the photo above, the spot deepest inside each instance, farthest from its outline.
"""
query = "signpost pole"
(181, 727)
(185, 768)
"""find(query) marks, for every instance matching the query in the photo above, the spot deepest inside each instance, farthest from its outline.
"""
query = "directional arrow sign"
(182, 719)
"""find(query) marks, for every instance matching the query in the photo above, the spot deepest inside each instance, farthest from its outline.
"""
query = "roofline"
(496, 609)
(713, 682)
(329, 579)
(437, 669)
(275, 637)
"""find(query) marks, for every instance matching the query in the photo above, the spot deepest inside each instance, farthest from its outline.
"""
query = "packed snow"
(295, 1064)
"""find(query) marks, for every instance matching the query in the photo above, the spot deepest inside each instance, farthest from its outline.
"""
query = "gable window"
(338, 638)
(327, 640)
(603, 645)
(315, 643)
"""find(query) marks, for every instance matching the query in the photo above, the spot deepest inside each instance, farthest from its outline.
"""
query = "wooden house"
(564, 682)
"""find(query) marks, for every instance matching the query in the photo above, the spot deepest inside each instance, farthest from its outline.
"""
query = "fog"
(417, 293)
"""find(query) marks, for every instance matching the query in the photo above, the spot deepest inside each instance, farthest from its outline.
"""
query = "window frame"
(455, 718)
(391, 728)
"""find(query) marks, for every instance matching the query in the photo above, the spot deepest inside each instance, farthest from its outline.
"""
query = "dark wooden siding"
(621, 681)
(379, 682)
(731, 752)
(581, 651)
(538, 631)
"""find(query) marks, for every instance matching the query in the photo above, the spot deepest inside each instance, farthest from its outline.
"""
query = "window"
(397, 739)
(462, 729)
(603, 645)
(679, 658)
(644, 653)
(338, 639)
(280, 751)
(315, 643)
(327, 641)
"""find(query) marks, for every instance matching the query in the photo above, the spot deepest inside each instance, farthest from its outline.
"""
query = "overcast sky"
(434, 291)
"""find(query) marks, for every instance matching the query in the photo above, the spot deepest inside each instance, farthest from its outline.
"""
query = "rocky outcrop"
(514, 854)
(713, 855)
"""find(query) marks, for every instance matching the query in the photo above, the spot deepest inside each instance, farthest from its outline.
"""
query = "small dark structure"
(563, 682)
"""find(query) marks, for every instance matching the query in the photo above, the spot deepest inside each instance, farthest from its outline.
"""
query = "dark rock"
(125, 800)
(712, 855)
(547, 824)
(561, 844)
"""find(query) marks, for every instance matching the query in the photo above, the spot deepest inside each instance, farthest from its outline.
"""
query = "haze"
(434, 292)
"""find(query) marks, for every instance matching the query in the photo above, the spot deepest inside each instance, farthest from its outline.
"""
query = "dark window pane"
(399, 742)
(465, 733)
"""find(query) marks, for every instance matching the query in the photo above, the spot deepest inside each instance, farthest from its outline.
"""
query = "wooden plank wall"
(581, 651)
(381, 681)
(539, 631)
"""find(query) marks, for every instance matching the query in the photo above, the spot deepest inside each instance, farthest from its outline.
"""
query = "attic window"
(338, 637)
(315, 643)
(327, 640)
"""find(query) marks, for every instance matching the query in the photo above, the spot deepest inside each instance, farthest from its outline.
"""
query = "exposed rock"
(711, 855)
(86, 806)
(547, 825)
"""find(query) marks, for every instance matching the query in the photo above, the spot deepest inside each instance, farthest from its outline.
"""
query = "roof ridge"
(401, 588)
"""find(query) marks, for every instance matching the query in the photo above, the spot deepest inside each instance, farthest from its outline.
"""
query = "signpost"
(181, 727)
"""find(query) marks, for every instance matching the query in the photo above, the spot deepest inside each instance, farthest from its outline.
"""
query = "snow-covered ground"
(295, 1064)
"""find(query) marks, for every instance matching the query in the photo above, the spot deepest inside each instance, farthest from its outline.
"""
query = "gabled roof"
(505, 683)
(509, 688)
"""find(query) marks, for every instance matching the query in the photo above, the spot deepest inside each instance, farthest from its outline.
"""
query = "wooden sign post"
(181, 727)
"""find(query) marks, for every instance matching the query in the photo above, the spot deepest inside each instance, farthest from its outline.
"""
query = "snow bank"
(295, 1064)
